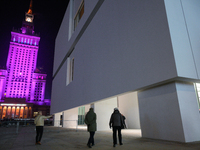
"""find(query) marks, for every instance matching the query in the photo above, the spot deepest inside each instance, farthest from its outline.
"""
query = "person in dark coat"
(116, 123)
(90, 120)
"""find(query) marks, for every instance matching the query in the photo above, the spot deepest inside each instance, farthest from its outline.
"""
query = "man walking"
(116, 124)
(90, 120)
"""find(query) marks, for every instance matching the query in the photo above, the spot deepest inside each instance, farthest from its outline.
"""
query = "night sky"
(48, 16)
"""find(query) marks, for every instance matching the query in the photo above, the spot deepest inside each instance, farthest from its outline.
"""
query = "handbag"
(123, 125)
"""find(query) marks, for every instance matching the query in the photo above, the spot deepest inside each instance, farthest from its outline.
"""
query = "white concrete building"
(141, 56)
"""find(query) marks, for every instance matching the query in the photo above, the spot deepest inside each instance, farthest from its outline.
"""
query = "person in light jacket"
(90, 120)
(39, 123)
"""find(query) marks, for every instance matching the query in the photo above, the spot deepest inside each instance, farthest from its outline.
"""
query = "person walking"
(116, 123)
(39, 123)
(90, 121)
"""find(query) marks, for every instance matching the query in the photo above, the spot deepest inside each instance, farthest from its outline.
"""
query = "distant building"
(142, 56)
(22, 85)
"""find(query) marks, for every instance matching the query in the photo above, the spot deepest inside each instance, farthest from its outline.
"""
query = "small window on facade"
(197, 89)
(79, 14)
(70, 70)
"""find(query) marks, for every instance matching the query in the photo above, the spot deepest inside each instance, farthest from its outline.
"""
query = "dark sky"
(48, 16)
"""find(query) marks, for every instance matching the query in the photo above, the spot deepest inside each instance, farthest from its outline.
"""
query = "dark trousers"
(91, 138)
(39, 132)
(115, 129)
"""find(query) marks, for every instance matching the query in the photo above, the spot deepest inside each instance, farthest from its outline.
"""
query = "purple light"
(21, 81)
(3, 74)
(23, 30)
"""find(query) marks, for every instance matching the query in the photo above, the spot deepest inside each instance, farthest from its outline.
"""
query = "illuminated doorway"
(30, 112)
(0, 111)
(21, 112)
(4, 112)
(17, 113)
(26, 112)
(13, 112)
(9, 112)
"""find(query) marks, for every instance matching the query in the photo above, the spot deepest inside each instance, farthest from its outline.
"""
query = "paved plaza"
(55, 138)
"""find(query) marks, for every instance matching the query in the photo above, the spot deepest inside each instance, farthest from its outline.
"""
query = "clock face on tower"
(28, 19)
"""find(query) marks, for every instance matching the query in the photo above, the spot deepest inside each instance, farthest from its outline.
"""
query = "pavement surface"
(55, 138)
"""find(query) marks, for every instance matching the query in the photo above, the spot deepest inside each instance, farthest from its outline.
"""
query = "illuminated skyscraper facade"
(22, 82)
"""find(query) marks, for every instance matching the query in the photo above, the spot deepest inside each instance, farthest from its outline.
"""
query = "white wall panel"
(57, 119)
(70, 118)
(103, 110)
(192, 12)
(128, 106)
(183, 51)
(170, 112)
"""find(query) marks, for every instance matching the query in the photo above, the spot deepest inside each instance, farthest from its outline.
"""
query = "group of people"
(117, 122)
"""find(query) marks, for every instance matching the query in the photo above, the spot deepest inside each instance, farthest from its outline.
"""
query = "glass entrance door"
(81, 115)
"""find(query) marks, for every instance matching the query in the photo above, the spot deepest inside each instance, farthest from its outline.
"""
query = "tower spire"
(30, 8)
(27, 25)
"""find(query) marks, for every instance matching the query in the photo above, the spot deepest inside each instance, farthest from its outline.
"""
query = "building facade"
(139, 56)
(22, 84)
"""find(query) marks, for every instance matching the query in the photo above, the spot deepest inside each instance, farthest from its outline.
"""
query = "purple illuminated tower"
(22, 80)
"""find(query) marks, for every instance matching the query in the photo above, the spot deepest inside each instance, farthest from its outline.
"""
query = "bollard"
(17, 128)
(58, 126)
(24, 123)
(76, 125)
